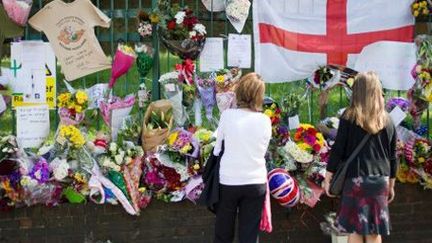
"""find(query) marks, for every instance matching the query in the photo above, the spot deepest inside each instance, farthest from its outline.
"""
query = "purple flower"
(40, 171)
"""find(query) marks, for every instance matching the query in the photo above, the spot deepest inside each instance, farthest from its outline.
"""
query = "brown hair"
(367, 103)
(250, 92)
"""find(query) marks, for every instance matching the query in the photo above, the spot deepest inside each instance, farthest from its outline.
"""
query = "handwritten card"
(397, 115)
(239, 51)
(212, 57)
(33, 125)
(293, 122)
(117, 117)
(96, 94)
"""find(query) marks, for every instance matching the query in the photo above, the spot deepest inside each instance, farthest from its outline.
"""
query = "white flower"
(200, 28)
(298, 154)
(60, 169)
(27, 181)
(335, 122)
(113, 148)
(106, 162)
(180, 17)
(168, 76)
(192, 34)
(118, 159)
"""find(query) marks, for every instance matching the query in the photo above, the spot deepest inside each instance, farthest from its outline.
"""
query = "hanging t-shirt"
(8, 29)
(69, 28)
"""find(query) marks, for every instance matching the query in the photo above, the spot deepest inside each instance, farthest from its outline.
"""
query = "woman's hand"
(326, 183)
(391, 192)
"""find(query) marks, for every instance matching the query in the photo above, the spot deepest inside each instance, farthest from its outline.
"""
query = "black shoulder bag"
(338, 180)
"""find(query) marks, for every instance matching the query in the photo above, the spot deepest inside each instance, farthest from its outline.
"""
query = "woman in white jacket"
(246, 134)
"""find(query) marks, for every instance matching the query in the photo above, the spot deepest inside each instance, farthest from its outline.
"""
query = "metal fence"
(123, 14)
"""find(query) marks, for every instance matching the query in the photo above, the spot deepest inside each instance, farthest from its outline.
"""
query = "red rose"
(171, 25)
(190, 22)
(316, 147)
(311, 132)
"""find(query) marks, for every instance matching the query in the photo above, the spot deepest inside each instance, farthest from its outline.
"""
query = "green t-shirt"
(8, 29)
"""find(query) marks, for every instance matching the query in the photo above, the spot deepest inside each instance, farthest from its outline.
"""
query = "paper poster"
(33, 125)
(239, 51)
(117, 117)
(392, 61)
(2, 104)
(96, 93)
(212, 56)
(397, 115)
(33, 74)
(293, 122)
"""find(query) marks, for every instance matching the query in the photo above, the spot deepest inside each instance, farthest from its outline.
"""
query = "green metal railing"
(123, 27)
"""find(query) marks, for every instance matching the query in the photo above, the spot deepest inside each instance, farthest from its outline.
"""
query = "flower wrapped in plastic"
(107, 106)
(329, 127)
(145, 28)
(310, 192)
(180, 31)
(184, 143)
(48, 193)
(18, 10)
(207, 93)
(123, 60)
(225, 80)
(72, 107)
(237, 12)
(157, 123)
(309, 139)
(174, 93)
(144, 59)
(194, 188)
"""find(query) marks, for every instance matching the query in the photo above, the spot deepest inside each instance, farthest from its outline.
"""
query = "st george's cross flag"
(292, 38)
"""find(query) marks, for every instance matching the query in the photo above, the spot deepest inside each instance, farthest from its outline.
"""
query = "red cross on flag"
(294, 37)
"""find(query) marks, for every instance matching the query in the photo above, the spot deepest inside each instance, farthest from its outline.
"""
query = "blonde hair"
(367, 103)
(250, 91)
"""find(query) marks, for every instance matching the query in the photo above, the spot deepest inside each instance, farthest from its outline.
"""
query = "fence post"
(156, 61)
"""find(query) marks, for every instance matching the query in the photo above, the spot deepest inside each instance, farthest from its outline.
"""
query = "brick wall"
(183, 222)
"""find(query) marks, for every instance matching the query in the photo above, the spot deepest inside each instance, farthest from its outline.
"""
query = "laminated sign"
(33, 74)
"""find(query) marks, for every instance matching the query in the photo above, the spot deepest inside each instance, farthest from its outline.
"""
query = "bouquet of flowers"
(184, 143)
(123, 60)
(273, 112)
(207, 93)
(309, 139)
(328, 127)
(225, 80)
(18, 10)
(420, 94)
(131, 129)
(421, 8)
(107, 106)
(418, 154)
(144, 59)
(173, 92)
(180, 30)
(186, 71)
(237, 12)
(157, 123)
(72, 107)
(291, 104)
(144, 24)
(119, 155)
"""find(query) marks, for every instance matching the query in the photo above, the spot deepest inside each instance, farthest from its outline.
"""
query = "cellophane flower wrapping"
(122, 62)
(237, 12)
(144, 59)
(207, 93)
(18, 10)
(401, 102)
(174, 93)
(194, 188)
(107, 106)
(132, 173)
(67, 118)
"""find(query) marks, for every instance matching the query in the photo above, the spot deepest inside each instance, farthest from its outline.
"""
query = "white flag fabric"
(292, 38)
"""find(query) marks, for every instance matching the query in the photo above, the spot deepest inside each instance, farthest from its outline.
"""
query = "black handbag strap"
(357, 150)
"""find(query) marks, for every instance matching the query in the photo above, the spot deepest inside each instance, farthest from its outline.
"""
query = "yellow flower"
(64, 99)
(421, 160)
(273, 106)
(196, 167)
(142, 189)
(401, 175)
(415, 6)
(185, 149)
(320, 139)
(154, 18)
(306, 126)
(350, 82)
(78, 109)
(425, 11)
(81, 97)
(269, 113)
(416, 13)
(304, 146)
(220, 79)
(79, 178)
(412, 178)
(172, 138)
